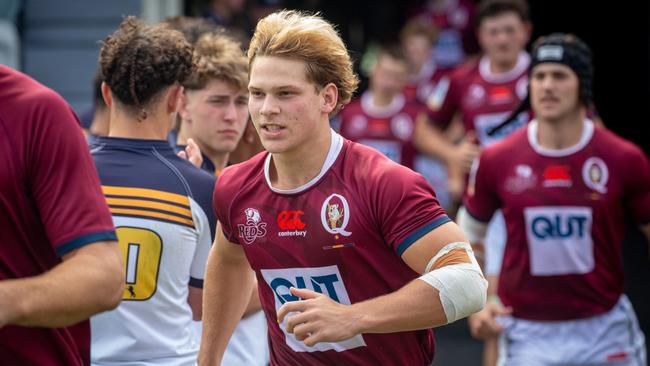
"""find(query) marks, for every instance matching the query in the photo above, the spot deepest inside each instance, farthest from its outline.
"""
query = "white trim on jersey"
(371, 109)
(473, 229)
(587, 133)
(336, 144)
(523, 60)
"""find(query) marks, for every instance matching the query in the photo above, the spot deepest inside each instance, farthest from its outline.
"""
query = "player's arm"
(254, 304)
(89, 280)
(431, 141)
(450, 288)
(227, 291)
(482, 324)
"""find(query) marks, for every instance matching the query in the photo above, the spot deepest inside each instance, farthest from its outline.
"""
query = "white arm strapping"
(473, 229)
(462, 287)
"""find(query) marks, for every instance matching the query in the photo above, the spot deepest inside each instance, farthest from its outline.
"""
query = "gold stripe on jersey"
(152, 214)
(146, 193)
(139, 203)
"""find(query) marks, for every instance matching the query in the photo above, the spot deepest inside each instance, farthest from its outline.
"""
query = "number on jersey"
(141, 252)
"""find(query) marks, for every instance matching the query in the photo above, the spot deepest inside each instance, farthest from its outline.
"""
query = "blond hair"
(298, 35)
(218, 57)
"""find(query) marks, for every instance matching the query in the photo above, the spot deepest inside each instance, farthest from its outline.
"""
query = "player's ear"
(106, 94)
(330, 96)
(173, 98)
(183, 110)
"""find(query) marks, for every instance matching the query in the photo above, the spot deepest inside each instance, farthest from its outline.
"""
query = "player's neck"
(219, 159)
(502, 67)
(382, 99)
(155, 127)
(99, 125)
(294, 169)
(561, 133)
(182, 134)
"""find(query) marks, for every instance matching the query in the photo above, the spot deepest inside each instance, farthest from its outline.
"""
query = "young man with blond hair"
(360, 240)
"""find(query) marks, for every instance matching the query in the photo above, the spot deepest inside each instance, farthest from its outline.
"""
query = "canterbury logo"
(290, 220)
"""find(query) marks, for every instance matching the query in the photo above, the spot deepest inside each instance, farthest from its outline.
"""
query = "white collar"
(336, 144)
(587, 133)
(523, 60)
(369, 107)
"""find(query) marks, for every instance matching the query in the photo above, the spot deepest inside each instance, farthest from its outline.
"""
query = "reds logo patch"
(254, 227)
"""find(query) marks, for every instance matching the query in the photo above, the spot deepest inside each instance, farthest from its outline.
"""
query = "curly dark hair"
(139, 61)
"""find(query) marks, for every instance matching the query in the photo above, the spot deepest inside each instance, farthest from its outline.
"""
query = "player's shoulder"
(511, 144)
(464, 71)
(236, 176)
(352, 108)
(198, 179)
(367, 167)
(609, 143)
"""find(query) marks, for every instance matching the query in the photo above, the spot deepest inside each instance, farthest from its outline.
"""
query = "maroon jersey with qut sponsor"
(388, 129)
(564, 212)
(342, 234)
(483, 98)
(50, 205)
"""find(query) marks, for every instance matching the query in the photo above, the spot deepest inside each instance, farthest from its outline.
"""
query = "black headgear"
(566, 49)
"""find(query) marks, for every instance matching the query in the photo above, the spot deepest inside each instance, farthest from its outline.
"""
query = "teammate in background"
(59, 262)
(417, 38)
(483, 94)
(214, 113)
(455, 20)
(382, 117)
(337, 224)
(564, 186)
(160, 202)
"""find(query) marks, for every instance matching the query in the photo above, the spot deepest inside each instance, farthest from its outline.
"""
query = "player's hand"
(483, 325)
(319, 318)
(192, 153)
(466, 152)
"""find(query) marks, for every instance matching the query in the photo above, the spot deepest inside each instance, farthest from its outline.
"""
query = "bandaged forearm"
(457, 276)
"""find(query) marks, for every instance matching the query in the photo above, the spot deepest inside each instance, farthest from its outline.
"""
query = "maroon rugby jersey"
(564, 213)
(342, 234)
(484, 99)
(388, 129)
(50, 205)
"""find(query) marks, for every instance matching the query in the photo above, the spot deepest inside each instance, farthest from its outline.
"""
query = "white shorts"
(612, 338)
(495, 243)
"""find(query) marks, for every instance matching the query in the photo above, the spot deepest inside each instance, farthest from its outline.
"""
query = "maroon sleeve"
(221, 200)
(481, 200)
(404, 205)
(62, 177)
(443, 101)
(637, 189)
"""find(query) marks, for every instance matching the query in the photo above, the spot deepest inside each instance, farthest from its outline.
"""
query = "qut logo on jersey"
(325, 280)
(559, 240)
(559, 227)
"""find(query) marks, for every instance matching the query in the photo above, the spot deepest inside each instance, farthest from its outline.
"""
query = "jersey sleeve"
(405, 207)
(443, 101)
(62, 178)
(637, 189)
(221, 201)
(205, 225)
(481, 199)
